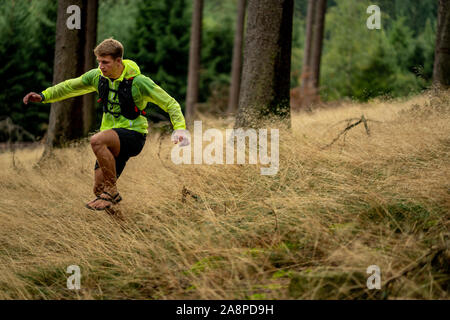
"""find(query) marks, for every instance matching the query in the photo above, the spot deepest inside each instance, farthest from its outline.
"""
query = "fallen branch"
(349, 126)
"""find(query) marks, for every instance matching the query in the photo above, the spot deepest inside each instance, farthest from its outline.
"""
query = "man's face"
(108, 65)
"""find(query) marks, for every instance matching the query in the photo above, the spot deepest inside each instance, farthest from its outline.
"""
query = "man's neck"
(119, 72)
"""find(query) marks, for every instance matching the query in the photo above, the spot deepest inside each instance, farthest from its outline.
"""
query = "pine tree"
(27, 41)
(160, 44)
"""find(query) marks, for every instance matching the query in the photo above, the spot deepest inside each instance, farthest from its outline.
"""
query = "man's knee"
(96, 142)
(108, 139)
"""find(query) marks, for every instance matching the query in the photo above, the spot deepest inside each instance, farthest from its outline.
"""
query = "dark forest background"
(396, 61)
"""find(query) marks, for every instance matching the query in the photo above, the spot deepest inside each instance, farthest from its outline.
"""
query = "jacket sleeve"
(153, 93)
(71, 88)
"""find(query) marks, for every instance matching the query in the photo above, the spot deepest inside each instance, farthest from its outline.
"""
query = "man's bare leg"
(106, 146)
(99, 184)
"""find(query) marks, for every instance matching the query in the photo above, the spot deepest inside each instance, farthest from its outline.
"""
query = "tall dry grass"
(310, 232)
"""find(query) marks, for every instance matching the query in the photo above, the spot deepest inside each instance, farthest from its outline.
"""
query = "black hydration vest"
(128, 108)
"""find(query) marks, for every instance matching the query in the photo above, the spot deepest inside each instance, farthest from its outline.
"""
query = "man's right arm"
(71, 88)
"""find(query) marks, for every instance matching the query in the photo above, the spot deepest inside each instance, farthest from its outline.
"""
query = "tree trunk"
(66, 117)
(194, 60)
(441, 72)
(309, 88)
(306, 68)
(316, 52)
(236, 68)
(89, 63)
(264, 93)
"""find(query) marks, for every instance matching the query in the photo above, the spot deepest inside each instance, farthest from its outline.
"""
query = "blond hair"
(109, 47)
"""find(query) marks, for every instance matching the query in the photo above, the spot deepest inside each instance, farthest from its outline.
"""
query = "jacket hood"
(131, 69)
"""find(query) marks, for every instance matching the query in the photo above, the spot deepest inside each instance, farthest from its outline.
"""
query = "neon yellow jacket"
(144, 90)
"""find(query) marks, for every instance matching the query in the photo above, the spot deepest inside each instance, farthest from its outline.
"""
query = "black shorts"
(131, 144)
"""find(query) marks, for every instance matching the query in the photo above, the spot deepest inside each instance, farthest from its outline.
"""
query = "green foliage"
(217, 46)
(349, 57)
(27, 42)
(400, 37)
(422, 58)
(416, 13)
(364, 63)
(415, 55)
(160, 44)
(205, 264)
(404, 216)
(117, 19)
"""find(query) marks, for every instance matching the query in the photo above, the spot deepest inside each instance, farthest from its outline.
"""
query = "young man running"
(124, 92)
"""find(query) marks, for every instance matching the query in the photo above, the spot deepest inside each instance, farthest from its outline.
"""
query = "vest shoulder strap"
(128, 108)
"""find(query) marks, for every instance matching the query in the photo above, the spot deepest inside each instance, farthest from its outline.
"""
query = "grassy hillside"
(310, 232)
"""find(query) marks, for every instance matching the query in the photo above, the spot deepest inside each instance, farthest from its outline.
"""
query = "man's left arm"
(153, 93)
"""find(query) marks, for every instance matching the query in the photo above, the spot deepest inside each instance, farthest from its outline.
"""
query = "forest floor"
(308, 232)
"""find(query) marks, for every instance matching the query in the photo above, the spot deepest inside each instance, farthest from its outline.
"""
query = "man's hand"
(181, 137)
(32, 97)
